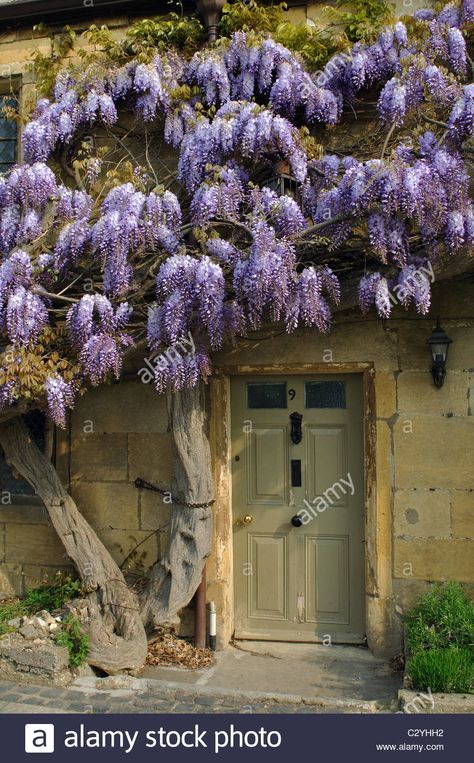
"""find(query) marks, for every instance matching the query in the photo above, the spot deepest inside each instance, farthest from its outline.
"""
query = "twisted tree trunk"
(117, 636)
(175, 578)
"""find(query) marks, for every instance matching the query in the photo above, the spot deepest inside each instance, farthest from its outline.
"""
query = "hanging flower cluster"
(426, 190)
(96, 330)
(229, 252)
(242, 129)
(59, 396)
(130, 220)
(79, 103)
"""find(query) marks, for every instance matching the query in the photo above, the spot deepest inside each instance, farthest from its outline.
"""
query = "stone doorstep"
(161, 688)
(437, 704)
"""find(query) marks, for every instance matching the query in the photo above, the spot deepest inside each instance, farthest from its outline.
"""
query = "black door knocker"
(296, 432)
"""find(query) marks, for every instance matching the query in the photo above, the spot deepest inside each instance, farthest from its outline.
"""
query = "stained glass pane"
(7, 151)
(8, 135)
(325, 394)
(266, 395)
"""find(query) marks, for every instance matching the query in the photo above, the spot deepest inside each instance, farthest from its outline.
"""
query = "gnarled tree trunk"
(117, 636)
(175, 578)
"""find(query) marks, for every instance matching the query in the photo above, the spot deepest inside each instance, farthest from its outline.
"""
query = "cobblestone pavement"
(22, 698)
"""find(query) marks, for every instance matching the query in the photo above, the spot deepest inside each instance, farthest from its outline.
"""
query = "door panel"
(298, 583)
(268, 591)
(326, 461)
(327, 560)
(267, 455)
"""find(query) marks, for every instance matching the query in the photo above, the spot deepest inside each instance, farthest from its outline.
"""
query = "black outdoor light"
(211, 11)
(439, 343)
(282, 182)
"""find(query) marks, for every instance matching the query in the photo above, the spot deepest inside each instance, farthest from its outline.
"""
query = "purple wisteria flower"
(457, 51)
(414, 284)
(393, 102)
(25, 316)
(59, 396)
(461, 119)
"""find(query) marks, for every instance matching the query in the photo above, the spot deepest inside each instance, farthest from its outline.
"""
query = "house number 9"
(292, 394)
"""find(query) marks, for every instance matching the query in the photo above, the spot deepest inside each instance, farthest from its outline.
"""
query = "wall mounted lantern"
(282, 182)
(211, 11)
(439, 343)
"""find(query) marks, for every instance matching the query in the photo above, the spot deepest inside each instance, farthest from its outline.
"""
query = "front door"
(298, 507)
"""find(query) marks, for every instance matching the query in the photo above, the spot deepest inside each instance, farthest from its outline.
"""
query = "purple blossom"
(449, 15)
(101, 356)
(31, 185)
(7, 395)
(461, 119)
(314, 310)
(59, 396)
(184, 371)
(392, 103)
(457, 51)
(454, 230)
(414, 284)
(210, 73)
(438, 86)
(378, 235)
(26, 316)
(154, 323)
(400, 34)
(30, 226)
(467, 12)
(94, 315)
(424, 14)
(240, 129)
(373, 289)
(222, 250)
(71, 244)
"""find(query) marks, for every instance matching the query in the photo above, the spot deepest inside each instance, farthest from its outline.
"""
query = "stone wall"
(424, 444)
(116, 434)
(423, 511)
(424, 461)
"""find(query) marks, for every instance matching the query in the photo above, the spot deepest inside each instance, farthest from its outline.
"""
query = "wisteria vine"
(221, 250)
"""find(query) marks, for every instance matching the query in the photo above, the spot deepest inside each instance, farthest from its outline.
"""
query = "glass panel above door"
(325, 394)
(266, 395)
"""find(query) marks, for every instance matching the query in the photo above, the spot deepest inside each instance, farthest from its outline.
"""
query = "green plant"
(52, 596)
(147, 36)
(8, 611)
(443, 618)
(72, 636)
(244, 16)
(443, 670)
(363, 19)
(48, 597)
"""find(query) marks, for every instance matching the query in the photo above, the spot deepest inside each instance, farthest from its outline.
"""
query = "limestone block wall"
(424, 436)
(116, 434)
(424, 453)
(423, 508)
(119, 433)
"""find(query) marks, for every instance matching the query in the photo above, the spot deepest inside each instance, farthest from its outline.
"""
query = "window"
(35, 421)
(325, 394)
(266, 395)
(8, 133)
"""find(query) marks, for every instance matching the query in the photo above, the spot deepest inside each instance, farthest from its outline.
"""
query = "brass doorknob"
(246, 520)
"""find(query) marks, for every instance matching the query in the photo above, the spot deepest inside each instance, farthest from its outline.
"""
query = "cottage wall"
(424, 444)
(424, 471)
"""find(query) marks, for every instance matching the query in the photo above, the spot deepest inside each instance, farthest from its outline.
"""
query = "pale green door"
(306, 582)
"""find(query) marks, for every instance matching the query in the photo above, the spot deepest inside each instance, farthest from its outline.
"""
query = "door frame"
(377, 500)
